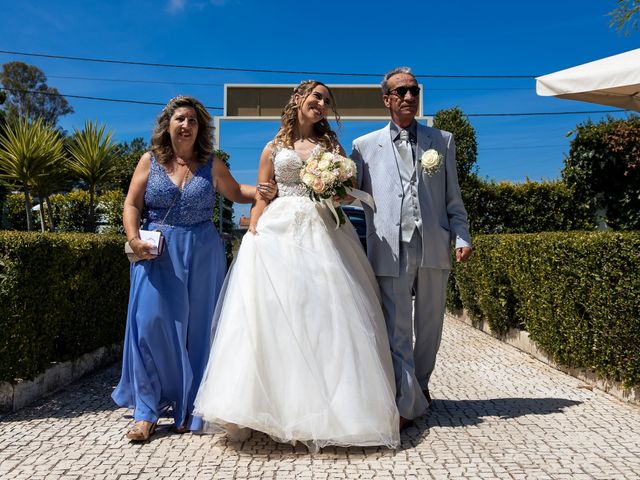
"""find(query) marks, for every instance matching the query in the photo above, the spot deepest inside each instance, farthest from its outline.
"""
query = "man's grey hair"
(385, 81)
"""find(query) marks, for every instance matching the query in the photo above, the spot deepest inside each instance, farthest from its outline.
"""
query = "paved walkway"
(498, 413)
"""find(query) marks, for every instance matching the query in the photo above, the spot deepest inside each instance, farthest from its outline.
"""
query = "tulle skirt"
(300, 350)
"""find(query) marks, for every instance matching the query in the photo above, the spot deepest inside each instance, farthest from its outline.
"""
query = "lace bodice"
(287, 164)
(192, 205)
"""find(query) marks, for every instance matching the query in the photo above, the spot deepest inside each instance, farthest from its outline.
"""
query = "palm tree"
(31, 158)
(55, 180)
(93, 153)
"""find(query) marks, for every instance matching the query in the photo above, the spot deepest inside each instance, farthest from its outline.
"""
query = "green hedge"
(70, 212)
(111, 204)
(576, 293)
(61, 295)
(527, 207)
(603, 169)
(13, 213)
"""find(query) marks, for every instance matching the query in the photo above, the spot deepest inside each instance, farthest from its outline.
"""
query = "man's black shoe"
(427, 396)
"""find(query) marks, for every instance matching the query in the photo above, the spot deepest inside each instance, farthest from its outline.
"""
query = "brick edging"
(15, 395)
(520, 340)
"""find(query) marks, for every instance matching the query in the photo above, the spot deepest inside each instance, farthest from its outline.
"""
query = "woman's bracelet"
(135, 237)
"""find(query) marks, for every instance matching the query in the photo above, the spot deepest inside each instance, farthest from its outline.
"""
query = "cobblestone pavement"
(498, 413)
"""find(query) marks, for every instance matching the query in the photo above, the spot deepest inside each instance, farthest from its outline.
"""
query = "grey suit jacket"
(443, 215)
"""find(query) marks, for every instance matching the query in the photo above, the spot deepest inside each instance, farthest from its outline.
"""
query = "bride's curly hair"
(289, 119)
(161, 141)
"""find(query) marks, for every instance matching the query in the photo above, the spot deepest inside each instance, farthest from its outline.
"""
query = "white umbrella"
(613, 81)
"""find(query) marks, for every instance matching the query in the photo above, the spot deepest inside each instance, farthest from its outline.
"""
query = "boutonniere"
(431, 161)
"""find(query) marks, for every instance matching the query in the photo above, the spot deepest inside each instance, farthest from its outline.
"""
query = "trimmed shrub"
(453, 120)
(110, 205)
(603, 169)
(577, 294)
(15, 217)
(61, 296)
(71, 211)
(527, 207)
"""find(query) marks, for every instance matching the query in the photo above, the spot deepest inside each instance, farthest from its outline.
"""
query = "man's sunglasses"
(402, 91)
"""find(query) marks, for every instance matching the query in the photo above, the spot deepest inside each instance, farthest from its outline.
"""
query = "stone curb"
(15, 395)
(520, 340)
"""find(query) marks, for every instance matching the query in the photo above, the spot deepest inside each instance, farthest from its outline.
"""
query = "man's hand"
(344, 199)
(463, 254)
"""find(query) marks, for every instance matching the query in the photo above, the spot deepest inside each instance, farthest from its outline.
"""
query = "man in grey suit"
(410, 171)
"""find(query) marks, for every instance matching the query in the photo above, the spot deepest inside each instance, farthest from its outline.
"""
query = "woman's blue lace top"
(194, 204)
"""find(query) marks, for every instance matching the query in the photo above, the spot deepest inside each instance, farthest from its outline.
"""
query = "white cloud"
(176, 6)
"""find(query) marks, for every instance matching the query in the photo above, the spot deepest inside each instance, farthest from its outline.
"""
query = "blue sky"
(447, 38)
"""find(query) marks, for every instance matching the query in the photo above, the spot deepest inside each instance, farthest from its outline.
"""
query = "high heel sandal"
(141, 431)
(182, 428)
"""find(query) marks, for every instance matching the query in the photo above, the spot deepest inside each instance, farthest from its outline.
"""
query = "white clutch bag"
(154, 237)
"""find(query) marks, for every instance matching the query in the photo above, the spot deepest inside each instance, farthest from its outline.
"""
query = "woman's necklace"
(311, 139)
(187, 174)
(185, 179)
(305, 145)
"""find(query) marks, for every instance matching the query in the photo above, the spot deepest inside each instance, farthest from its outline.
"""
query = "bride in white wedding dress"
(300, 351)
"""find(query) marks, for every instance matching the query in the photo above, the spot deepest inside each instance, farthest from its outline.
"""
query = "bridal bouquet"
(326, 175)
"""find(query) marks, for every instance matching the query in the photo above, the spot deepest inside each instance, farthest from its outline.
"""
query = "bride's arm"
(265, 174)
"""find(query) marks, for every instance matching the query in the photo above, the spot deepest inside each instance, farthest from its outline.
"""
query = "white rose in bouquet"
(308, 179)
(325, 161)
(326, 175)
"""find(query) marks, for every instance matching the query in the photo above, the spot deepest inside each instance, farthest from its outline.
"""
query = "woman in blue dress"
(173, 295)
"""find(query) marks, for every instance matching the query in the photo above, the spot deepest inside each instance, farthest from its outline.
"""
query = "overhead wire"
(237, 69)
(123, 80)
(202, 67)
(142, 102)
(86, 97)
(200, 84)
